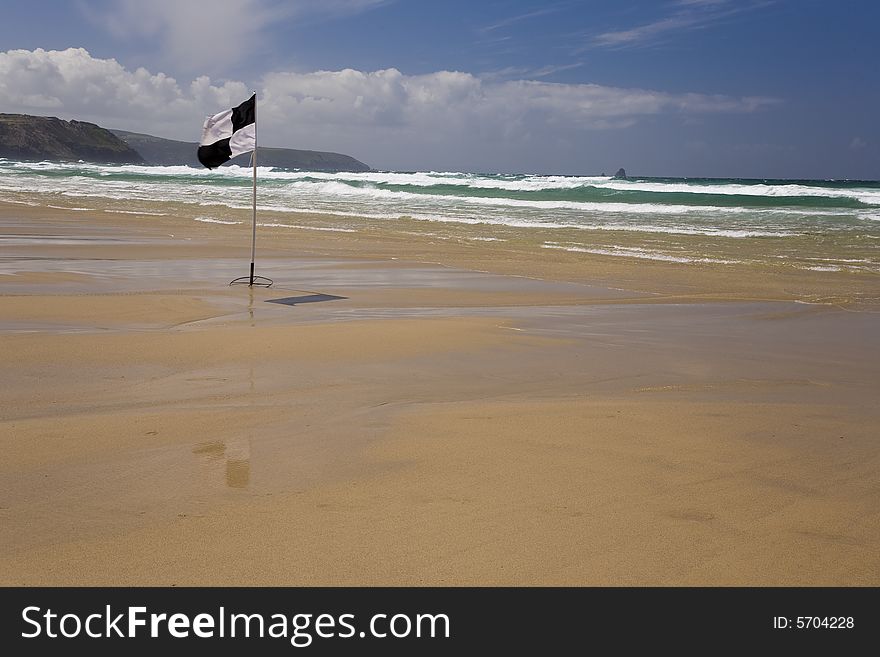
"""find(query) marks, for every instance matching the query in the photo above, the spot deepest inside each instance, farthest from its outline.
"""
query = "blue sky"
(762, 88)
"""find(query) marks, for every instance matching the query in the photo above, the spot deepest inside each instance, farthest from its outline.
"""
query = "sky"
(722, 88)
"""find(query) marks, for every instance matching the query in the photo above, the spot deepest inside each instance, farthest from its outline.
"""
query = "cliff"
(24, 137)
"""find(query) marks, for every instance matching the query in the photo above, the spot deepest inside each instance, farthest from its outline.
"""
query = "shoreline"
(485, 420)
(520, 255)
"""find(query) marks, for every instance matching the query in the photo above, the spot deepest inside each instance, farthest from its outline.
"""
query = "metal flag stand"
(251, 281)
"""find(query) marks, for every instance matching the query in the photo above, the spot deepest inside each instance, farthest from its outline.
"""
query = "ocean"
(817, 225)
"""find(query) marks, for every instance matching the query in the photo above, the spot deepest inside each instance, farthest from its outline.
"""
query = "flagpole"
(254, 227)
(252, 279)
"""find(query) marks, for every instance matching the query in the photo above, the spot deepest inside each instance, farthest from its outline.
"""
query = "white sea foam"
(636, 228)
(317, 196)
(212, 220)
(338, 189)
(432, 179)
(512, 182)
(629, 252)
(519, 223)
(847, 260)
(144, 212)
(345, 201)
(32, 204)
(866, 195)
(521, 183)
(546, 183)
(867, 266)
(321, 228)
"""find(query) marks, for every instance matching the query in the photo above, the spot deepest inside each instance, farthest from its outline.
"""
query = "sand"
(459, 415)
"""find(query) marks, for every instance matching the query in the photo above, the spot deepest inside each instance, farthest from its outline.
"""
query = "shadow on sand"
(307, 298)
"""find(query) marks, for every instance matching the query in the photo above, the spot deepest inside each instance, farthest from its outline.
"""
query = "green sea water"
(819, 225)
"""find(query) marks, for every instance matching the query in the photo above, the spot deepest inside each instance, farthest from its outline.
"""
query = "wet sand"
(382, 421)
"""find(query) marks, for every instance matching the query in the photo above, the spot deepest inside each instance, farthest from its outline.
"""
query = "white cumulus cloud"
(387, 118)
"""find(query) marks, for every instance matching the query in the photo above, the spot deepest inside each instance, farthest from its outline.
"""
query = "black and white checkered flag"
(229, 133)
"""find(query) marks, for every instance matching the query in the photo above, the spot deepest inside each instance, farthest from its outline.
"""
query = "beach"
(401, 409)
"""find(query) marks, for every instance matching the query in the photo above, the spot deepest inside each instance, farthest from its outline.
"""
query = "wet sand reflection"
(228, 462)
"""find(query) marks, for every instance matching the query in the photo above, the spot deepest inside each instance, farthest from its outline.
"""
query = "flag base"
(253, 281)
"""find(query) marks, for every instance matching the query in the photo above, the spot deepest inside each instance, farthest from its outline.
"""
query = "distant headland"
(26, 137)
(156, 150)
